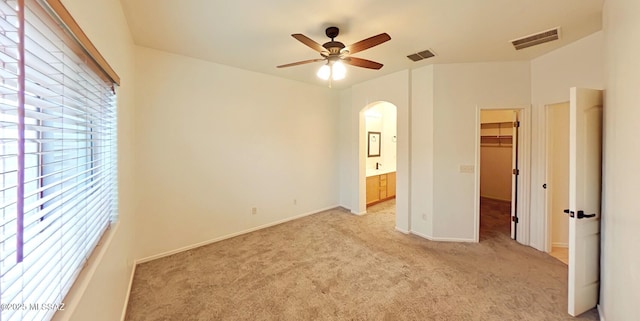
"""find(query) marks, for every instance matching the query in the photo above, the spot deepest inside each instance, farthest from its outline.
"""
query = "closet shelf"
(496, 134)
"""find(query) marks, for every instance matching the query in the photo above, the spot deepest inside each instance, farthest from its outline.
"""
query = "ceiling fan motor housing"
(333, 46)
(332, 32)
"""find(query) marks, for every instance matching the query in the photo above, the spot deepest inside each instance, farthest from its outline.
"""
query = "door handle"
(581, 214)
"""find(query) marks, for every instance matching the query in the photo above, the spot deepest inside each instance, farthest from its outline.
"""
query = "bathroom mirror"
(373, 145)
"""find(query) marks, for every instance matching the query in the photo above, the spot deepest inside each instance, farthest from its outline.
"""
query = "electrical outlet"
(424, 216)
(295, 201)
(254, 210)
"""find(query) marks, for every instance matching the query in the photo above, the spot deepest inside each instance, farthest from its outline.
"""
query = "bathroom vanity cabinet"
(381, 187)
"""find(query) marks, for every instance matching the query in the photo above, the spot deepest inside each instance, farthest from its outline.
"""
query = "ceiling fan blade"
(364, 63)
(368, 43)
(307, 41)
(300, 63)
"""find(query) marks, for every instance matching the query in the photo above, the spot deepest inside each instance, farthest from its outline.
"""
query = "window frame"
(89, 142)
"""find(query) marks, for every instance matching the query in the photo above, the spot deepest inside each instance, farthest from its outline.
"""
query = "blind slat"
(58, 162)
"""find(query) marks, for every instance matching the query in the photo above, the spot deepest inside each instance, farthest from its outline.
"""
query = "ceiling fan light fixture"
(324, 72)
(335, 71)
(339, 71)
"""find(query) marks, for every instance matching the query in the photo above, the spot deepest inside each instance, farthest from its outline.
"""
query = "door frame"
(524, 166)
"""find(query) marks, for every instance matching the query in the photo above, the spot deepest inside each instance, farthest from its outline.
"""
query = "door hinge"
(516, 171)
(516, 123)
(514, 219)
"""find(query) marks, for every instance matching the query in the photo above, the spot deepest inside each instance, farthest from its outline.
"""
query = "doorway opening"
(499, 172)
(557, 180)
(380, 144)
(573, 189)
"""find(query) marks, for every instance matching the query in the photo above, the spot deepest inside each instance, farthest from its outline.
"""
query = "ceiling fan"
(335, 53)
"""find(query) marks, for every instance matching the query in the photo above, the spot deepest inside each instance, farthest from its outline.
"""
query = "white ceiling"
(256, 34)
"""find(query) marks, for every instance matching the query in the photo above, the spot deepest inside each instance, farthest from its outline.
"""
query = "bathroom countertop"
(374, 172)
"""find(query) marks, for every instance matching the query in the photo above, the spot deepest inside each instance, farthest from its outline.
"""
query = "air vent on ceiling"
(421, 55)
(538, 38)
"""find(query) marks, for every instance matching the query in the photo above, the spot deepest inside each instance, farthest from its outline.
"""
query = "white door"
(585, 175)
(514, 176)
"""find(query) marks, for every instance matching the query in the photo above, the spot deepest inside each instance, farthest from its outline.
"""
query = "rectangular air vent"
(536, 39)
(421, 55)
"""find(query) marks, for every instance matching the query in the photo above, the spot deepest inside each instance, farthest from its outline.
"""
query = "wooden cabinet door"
(373, 189)
(391, 184)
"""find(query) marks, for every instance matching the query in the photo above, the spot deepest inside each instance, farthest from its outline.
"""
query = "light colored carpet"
(337, 266)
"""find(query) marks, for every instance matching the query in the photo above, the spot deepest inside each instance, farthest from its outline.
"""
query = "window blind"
(59, 160)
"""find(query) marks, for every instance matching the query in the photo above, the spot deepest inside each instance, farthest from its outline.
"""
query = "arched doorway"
(378, 153)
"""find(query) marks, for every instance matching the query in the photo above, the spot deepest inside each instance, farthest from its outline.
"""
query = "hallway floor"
(560, 253)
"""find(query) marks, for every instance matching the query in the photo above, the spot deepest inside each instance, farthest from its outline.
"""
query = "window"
(58, 165)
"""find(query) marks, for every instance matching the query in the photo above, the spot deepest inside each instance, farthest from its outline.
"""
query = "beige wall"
(579, 64)
(392, 88)
(620, 277)
(215, 141)
(459, 90)
(495, 172)
(348, 158)
(422, 158)
(444, 107)
(496, 116)
(99, 294)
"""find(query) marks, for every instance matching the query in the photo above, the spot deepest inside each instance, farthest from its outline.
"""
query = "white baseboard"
(560, 244)
(126, 298)
(228, 236)
(600, 313)
(402, 230)
(420, 235)
(359, 213)
(442, 239)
